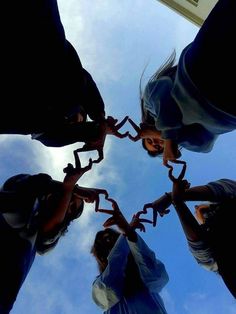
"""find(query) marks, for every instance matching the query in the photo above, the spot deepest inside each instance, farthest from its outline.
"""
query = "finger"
(182, 173)
(165, 162)
(106, 211)
(176, 161)
(146, 220)
(164, 212)
(111, 120)
(89, 166)
(137, 215)
(68, 170)
(134, 138)
(170, 174)
(100, 157)
(134, 125)
(121, 135)
(155, 214)
(102, 191)
(114, 204)
(141, 227)
(109, 222)
(119, 125)
(146, 206)
(77, 160)
(96, 204)
(186, 184)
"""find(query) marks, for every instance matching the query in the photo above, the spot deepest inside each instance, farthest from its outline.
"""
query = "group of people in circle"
(48, 94)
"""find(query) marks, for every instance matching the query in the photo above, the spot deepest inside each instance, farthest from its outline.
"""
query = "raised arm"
(58, 209)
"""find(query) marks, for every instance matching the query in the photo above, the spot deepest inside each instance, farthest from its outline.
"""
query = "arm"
(92, 102)
(58, 211)
(69, 134)
(215, 191)
(152, 270)
(107, 289)
(197, 239)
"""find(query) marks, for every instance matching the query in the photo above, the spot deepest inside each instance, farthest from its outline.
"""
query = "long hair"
(166, 69)
(133, 282)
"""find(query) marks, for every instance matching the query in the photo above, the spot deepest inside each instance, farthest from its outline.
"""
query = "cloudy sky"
(115, 41)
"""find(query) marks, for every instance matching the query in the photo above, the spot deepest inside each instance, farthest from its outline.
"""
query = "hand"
(91, 195)
(179, 185)
(137, 223)
(160, 207)
(92, 146)
(137, 129)
(171, 152)
(113, 128)
(74, 173)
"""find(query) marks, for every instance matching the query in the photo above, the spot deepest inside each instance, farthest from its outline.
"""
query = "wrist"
(177, 202)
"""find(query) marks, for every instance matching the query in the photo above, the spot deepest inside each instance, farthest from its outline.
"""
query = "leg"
(211, 59)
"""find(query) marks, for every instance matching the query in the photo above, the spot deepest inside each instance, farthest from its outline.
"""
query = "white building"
(194, 10)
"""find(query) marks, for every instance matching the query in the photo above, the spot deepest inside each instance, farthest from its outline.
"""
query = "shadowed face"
(200, 211)
(154, 145)
(74, 206)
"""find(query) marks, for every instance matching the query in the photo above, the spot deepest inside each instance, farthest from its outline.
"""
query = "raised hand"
(137, 129)
(158, 207)
(113, 128)
(108, 126)
(73, 174)
(179, 185)
(137, 222)
(91, 195)
(118, 219)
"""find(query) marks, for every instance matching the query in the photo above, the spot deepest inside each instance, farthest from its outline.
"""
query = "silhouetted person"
(130, 275)
(190, 104)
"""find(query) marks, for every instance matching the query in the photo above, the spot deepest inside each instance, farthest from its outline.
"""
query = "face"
(154, 144)
(200, 210)
(75, 203)
(106, 239)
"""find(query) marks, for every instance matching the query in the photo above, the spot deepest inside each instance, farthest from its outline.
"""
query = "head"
(201, 212)
(103, 244)
(153, 145)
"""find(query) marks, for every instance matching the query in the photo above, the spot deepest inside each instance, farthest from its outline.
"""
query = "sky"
(115, 41)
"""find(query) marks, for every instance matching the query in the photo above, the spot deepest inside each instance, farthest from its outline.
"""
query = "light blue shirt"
(183, 114)
(107, 291)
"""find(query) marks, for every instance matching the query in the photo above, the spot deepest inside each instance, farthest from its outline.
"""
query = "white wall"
(194, 10)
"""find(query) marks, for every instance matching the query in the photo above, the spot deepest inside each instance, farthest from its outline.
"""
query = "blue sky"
(115, 40)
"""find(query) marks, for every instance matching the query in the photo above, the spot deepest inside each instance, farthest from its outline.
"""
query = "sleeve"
(196, 138)
(152, 270)
(159, 102)
(69, 134)
(223, 189)
(92, 103)
(107, 289)
(203, 255)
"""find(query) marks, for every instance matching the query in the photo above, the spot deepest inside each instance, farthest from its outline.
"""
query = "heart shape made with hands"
(92, 195)
(109, 126)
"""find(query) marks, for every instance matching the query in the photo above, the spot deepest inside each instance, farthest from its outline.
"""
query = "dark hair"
(166, 69)
(151, 153)
(99, 251)
(133, 281)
